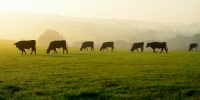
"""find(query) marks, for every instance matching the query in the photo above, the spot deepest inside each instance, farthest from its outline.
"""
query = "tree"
(48, 36)
(196, 38)
(121, 44)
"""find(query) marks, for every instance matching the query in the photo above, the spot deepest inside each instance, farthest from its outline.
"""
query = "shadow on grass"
(86, 96)
(10, 90)
(57, 55)
(158, 91)
(191, 93)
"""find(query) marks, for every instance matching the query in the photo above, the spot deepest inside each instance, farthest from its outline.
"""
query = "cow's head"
(16, 44)
(148, 44)
(81, 49)
(48, 50)
(132, 50)
(101, 48)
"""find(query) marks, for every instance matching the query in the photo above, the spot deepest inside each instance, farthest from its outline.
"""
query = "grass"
(96, 75)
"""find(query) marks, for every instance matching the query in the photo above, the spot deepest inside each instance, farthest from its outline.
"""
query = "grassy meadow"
(94, 75)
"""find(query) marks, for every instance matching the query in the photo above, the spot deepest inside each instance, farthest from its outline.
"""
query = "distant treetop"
(48, 36)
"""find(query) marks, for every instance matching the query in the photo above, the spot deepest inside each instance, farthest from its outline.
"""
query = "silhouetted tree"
(196, 38)
(121, 44)
(48, 36)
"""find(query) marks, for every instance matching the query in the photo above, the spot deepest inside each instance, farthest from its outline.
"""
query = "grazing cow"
(137, 45)
(107, 44)
(21, 45)
(193, 45)
(158, 45)
(57, 44)
(87, 44)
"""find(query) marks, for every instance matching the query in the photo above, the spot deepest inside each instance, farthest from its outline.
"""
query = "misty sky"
(181, 11)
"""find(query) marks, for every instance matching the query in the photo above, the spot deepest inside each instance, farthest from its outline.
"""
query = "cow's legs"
(56, 51)
(22, 51)
(137, 50)
(33, 49)
(107, 49)
(87, 49)
(63, 50)
(142, 49)
(92, 48)
(66, 50)
(166, 50)
(161, 50)
(112, 49)
(25, 52)
(154, 51)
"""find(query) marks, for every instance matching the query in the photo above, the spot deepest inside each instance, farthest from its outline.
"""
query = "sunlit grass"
(120, 74)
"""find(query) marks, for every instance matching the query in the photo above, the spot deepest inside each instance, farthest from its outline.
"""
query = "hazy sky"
(181, 11)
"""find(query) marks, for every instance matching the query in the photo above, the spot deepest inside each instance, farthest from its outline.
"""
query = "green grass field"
(98, 75)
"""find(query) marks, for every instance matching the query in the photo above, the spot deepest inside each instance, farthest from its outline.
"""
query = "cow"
(107, 44)
(137, 45)
(57, 44)
(21, 45)
(158, 45)
(87, 44)
(193, 45)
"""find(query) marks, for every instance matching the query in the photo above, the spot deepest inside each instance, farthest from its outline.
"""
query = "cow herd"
(22, 45)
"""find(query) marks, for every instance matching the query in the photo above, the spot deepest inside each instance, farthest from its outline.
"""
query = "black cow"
(137, 45)
(57, 44)
(193, 45)
(21, 45)
(107, 44)
(158, 45)
(87, 44)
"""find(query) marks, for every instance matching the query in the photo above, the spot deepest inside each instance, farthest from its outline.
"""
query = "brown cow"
(21, 45)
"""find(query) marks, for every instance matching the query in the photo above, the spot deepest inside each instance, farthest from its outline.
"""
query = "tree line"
(179, 42)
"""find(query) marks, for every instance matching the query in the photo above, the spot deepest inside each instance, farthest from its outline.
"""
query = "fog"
(100, 21)
(18, 25)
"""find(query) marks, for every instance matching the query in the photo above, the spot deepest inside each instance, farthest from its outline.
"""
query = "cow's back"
(158, 44)
(57, 44)
(193, 45)
(108, 44)
(138, 45)
(87, 43)
(26, 44)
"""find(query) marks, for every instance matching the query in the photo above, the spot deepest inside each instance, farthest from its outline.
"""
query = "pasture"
(94, 75)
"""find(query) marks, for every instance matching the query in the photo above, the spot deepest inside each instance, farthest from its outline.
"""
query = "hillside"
(21, 25)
